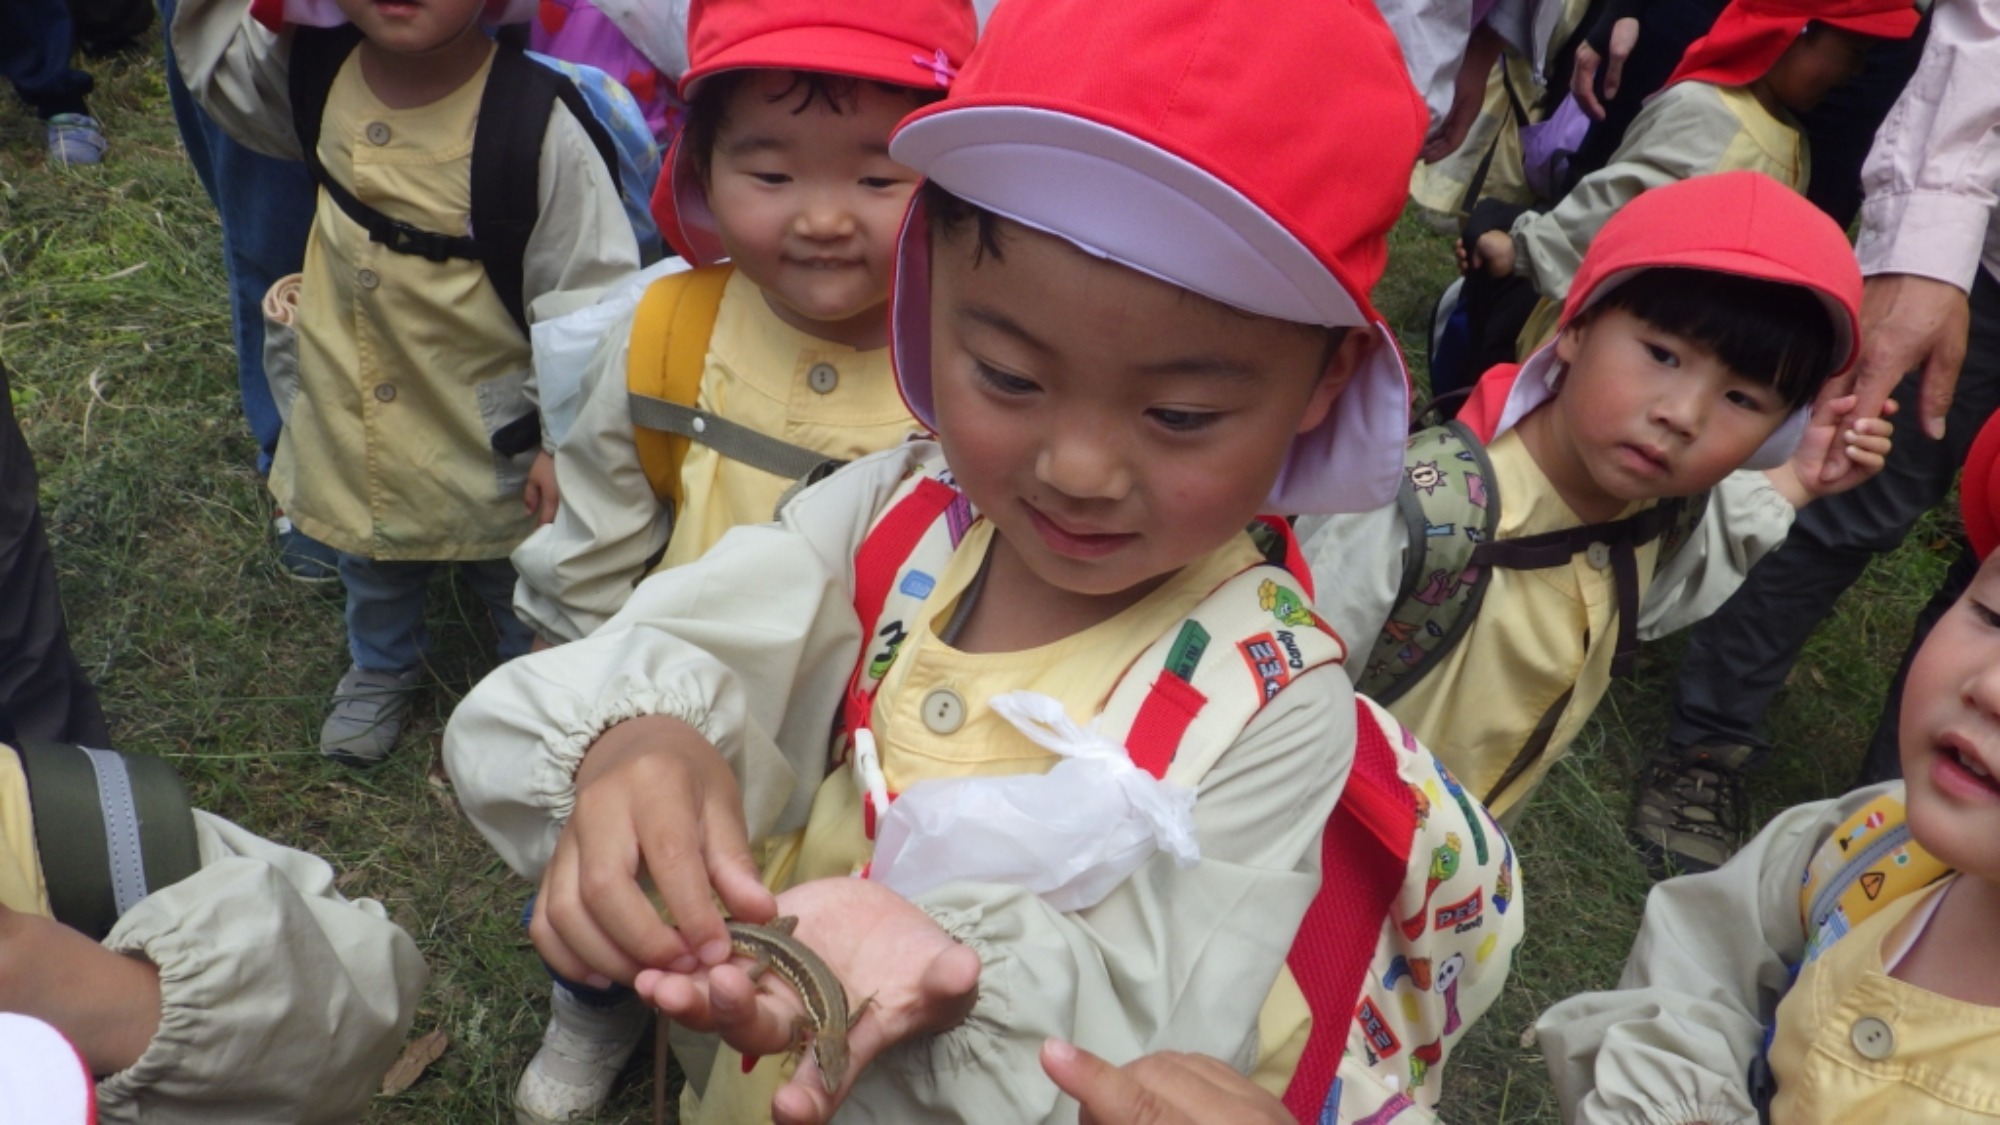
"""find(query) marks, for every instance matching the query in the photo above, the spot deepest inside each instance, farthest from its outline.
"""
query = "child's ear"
(1569, 342)
(1355, 345)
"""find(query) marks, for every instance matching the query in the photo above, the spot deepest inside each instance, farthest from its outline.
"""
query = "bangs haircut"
(1765, 331)
(949, 214)
(838, 92)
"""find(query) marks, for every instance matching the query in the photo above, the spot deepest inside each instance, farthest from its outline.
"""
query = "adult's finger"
(1583, 80)
(1624, 37)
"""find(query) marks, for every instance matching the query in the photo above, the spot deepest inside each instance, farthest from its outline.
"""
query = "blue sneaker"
(76, 138)
(303, 558)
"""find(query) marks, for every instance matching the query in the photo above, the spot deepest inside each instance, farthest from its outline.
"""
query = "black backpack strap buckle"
(402, 238)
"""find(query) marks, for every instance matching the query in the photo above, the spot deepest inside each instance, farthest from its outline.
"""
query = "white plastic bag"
(563, 345)
(1071, 835)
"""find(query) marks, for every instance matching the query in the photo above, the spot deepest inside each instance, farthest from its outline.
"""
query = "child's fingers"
(564, 932)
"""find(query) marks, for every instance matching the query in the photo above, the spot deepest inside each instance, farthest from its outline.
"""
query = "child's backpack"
(110, 828)
(1450, 505)
(663, 368)
(1869, 861)
(1391, 842)
(513, 117)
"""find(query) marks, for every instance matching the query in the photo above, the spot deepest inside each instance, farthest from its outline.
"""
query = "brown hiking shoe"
(1691, 810)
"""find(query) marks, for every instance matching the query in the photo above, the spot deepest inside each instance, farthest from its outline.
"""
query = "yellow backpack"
(663, 368)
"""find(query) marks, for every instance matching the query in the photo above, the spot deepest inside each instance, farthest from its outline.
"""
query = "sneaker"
(1690, 813)
(368, 712)
(75, 138)
(582, 1052)
(303, 558)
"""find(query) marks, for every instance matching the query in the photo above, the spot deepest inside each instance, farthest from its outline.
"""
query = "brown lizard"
(822, 1030)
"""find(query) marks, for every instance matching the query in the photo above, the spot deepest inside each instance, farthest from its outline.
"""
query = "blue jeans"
(266, 206)
(385, 609)
(36, 39)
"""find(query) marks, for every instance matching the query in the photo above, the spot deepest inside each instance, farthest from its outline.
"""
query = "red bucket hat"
(1750, 34)
(919, 43)
(1743, 223)
(1253, 151)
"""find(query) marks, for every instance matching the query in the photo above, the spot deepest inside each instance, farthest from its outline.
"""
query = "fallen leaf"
(419, 1055)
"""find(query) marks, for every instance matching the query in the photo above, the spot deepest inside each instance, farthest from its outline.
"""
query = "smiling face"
(1950, 731)
(414, 27)
(1644, 414)
(1113, 427)
(808, 203)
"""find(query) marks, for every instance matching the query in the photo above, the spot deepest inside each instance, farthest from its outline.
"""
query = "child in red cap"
(781, 189)
(1829, 971)
(777, 360)
(1727, 107)
(1704, 321)
(1132, 302)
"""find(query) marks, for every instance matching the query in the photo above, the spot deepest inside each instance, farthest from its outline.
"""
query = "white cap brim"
(42, 1078)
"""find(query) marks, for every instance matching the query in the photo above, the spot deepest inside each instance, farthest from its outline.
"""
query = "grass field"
(113, 318)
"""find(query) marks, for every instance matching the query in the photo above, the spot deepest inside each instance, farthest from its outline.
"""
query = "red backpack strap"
(1363, 856)
(883, 552)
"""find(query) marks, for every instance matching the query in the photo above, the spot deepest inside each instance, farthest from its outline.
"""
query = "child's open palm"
(895, 961)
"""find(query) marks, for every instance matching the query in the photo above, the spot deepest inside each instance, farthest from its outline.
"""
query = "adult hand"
(1165, 1088)
(905, 975)
(105, 1003)
(1908, 322)
(653, 798)
(1583, 77)
(540, 496)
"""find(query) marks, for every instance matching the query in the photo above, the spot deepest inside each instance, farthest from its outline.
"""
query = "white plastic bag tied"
(1070, 835)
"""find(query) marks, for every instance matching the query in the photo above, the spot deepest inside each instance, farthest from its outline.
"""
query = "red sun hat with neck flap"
(1750, 35)
(1253, 151)
(917, 43)
(1743, 223)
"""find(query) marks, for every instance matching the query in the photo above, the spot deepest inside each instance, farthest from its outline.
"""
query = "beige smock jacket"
(1539, 634)
(1674, 1043)
(759, 372)
(753, 644)
(281, 1003)
(1689, 129)
(407, 366)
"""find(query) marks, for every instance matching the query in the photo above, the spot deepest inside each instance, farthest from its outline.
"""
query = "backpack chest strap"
(1616, 543)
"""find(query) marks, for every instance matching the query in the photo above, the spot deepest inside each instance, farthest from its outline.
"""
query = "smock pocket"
(513, 428)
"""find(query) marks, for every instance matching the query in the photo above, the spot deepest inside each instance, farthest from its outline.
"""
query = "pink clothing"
(577, 31)
(1934, 173)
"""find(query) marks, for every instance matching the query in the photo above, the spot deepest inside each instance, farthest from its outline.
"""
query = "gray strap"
(732, 440)
(121, 827)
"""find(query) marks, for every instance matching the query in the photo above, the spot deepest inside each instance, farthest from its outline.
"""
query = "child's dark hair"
(1765, 331)
(949, 214)
(838, 91)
